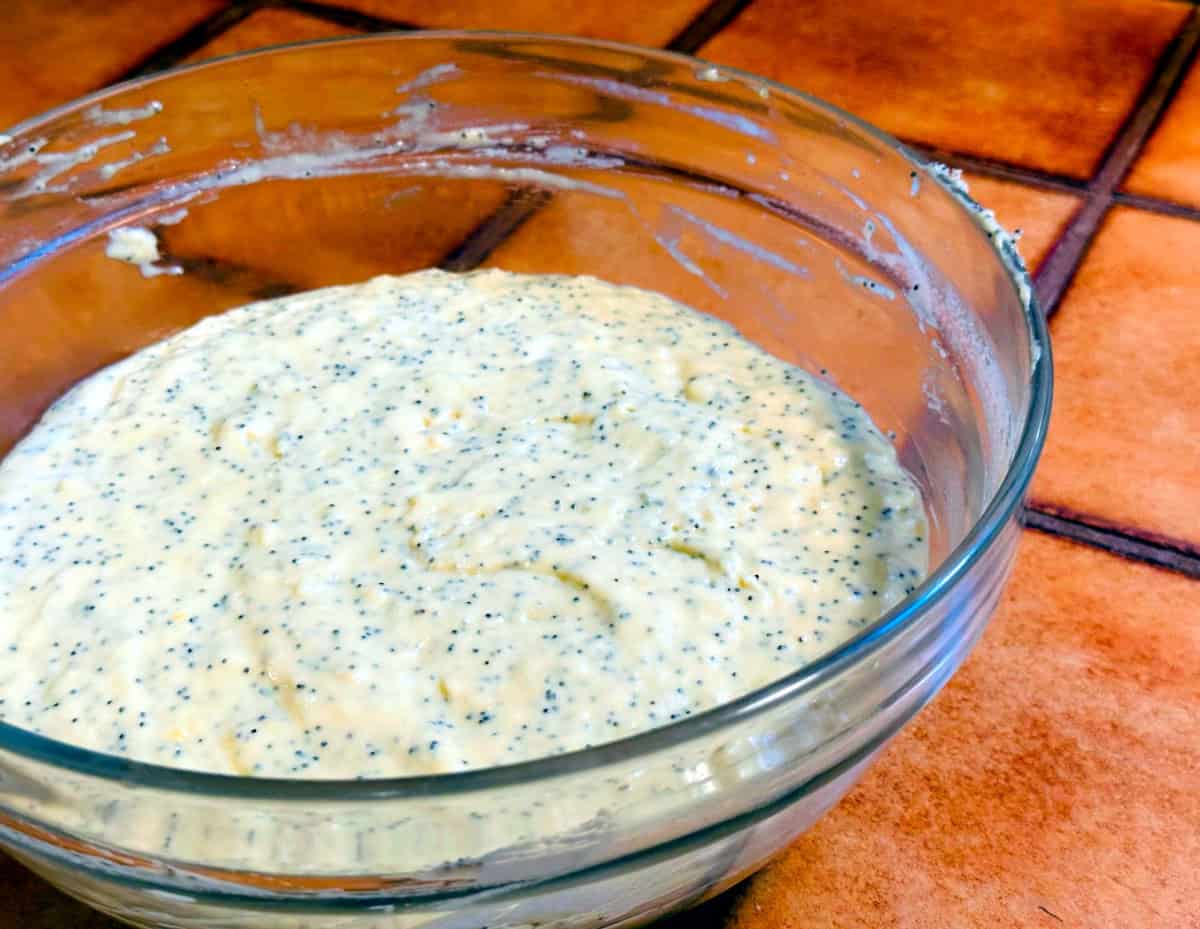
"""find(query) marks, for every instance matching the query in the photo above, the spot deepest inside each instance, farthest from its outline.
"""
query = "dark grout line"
(342, 16)
(1001, 170)
(490, 234)
(1058, 269)
(1154, 205)
(192, 41)
(1113, 541)
(1053, 276)
(254, 282)
(1101, 524)
(711, 20)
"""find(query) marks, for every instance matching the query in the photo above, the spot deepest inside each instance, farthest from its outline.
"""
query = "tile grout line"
(1098, 523)
(1155, 205)
(191, 40)
(1058, 269)
(520, 205)
(1112, 541)
(1038, 180)
(342, 16)
(705, 26)
(1042, 180)
(995, 168)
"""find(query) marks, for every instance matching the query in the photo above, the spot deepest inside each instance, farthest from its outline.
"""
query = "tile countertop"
(1056, 781)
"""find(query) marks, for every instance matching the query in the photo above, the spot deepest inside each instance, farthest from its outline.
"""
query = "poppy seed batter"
(435, 522)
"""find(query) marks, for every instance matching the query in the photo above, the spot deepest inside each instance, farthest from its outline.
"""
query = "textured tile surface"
(620, 20)
(1043, 85)
(1124, 441)
(1169, 166)
(269, 27)
(1053, 783)
(54, 50)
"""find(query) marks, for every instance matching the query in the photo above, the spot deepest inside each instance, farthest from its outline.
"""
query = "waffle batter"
(435, 522)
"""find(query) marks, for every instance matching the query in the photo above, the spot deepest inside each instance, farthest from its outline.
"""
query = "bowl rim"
(1004, 504)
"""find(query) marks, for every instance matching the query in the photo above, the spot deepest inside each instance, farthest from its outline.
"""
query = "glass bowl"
(817, 236)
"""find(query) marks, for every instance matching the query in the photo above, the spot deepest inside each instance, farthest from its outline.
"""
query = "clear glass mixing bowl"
(819, 237)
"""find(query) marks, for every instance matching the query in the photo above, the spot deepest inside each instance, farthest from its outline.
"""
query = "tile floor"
(1054, 783)
(1005, 81)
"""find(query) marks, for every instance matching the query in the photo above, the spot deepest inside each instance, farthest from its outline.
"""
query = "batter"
(435, 522)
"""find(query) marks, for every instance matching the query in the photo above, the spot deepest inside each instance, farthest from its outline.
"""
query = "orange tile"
(1169, 166)
(1040, 215)
(269, 27)
(1124, 443)
(1053, 783)
(620, 20)
(54, 50)
(1044, 85)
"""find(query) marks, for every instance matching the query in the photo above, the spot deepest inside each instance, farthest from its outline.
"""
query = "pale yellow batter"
(435, 522)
